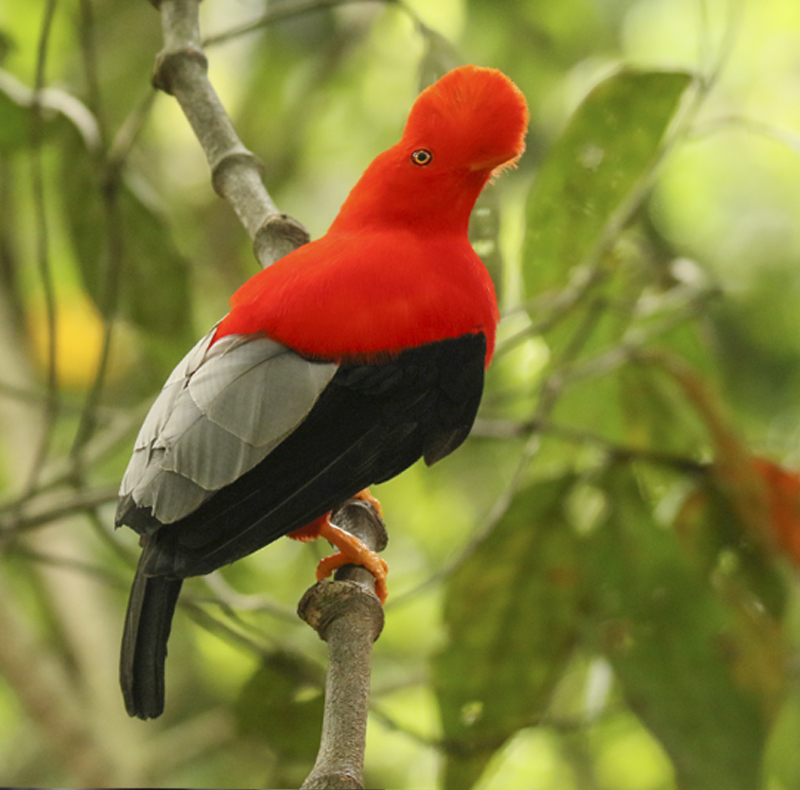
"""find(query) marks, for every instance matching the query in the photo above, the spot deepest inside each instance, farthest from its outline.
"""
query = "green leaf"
(711, 530)
(676, 644)
(15, 116)
(783, 756)
(283, 703)
(609, 146)
(152, 284)
(510, 610)
(156, 282)
(656, 415)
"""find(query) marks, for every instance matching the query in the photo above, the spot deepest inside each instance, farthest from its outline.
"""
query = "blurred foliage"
(513, 597)
(574, 212)
(599, 590)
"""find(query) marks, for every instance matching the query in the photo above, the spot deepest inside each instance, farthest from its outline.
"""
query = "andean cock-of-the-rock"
(336, 368)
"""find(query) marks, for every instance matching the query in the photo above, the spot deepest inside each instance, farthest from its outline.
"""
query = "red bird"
(337, 367)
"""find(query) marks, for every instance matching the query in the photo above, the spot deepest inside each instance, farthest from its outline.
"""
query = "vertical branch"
(109, 174)
(46, 694)
(348, 616)
(182, 70)
(346, 613)
(43, 246)
(49, 689)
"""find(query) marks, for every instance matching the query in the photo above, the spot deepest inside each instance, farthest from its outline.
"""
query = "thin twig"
(129, 130)
(232, 600)
(510, 429)
(47, 694)
(43, 246)
(35, 398)
(61, 471)
(16, 520)
(556, 306)
(70, 563)
(109, 178)
(288, 11)
(195, 605)
(549, 393)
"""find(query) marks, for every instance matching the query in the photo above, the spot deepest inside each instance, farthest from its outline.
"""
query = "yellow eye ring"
(422, 157)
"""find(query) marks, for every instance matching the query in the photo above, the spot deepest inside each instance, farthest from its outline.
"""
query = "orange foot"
(351, 550)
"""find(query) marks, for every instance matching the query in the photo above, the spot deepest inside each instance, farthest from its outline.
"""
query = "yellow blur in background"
(80, 333)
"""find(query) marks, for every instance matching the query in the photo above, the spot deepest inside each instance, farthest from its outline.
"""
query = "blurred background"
(600, 589)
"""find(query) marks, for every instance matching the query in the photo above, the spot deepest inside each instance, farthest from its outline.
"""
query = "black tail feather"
(144, 643)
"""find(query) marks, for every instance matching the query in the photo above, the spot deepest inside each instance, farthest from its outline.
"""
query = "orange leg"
(351, 550)
(365, 496)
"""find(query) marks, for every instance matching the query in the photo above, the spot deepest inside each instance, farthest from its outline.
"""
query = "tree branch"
(46, 695)
(289, 10)
(17, 519)
(182, 70)
(348, 616)
(346, 613)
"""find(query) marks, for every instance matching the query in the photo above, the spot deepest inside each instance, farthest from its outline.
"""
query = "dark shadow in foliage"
(282, 704)
(511, 615)
(683, 650)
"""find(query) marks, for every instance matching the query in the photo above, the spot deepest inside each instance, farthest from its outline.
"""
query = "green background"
(594, 592)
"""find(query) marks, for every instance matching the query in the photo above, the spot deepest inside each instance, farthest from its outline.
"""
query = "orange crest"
(476, 117)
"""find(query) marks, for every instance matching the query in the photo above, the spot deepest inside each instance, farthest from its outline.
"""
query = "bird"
(336, 368)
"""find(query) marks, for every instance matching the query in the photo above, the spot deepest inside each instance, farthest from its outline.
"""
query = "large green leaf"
(15, 115)
(283, 703)
(710, 527)
(655, 413)
(609, 146)
(510, 611)
(114, 226)
(676, 644)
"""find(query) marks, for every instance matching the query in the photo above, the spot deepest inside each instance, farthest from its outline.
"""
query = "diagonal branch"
(182, 71)
(346, 613)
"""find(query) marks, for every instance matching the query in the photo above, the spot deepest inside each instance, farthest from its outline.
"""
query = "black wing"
(369, 424)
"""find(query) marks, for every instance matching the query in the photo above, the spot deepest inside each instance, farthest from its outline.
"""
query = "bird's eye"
(422, 157)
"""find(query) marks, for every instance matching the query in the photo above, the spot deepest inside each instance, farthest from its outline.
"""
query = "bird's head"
(461, 130)
(471, 119)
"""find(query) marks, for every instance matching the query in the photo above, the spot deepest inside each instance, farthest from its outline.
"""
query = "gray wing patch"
(225, 407)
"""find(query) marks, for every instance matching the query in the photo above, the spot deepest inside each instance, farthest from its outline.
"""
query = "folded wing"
(225, 407)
